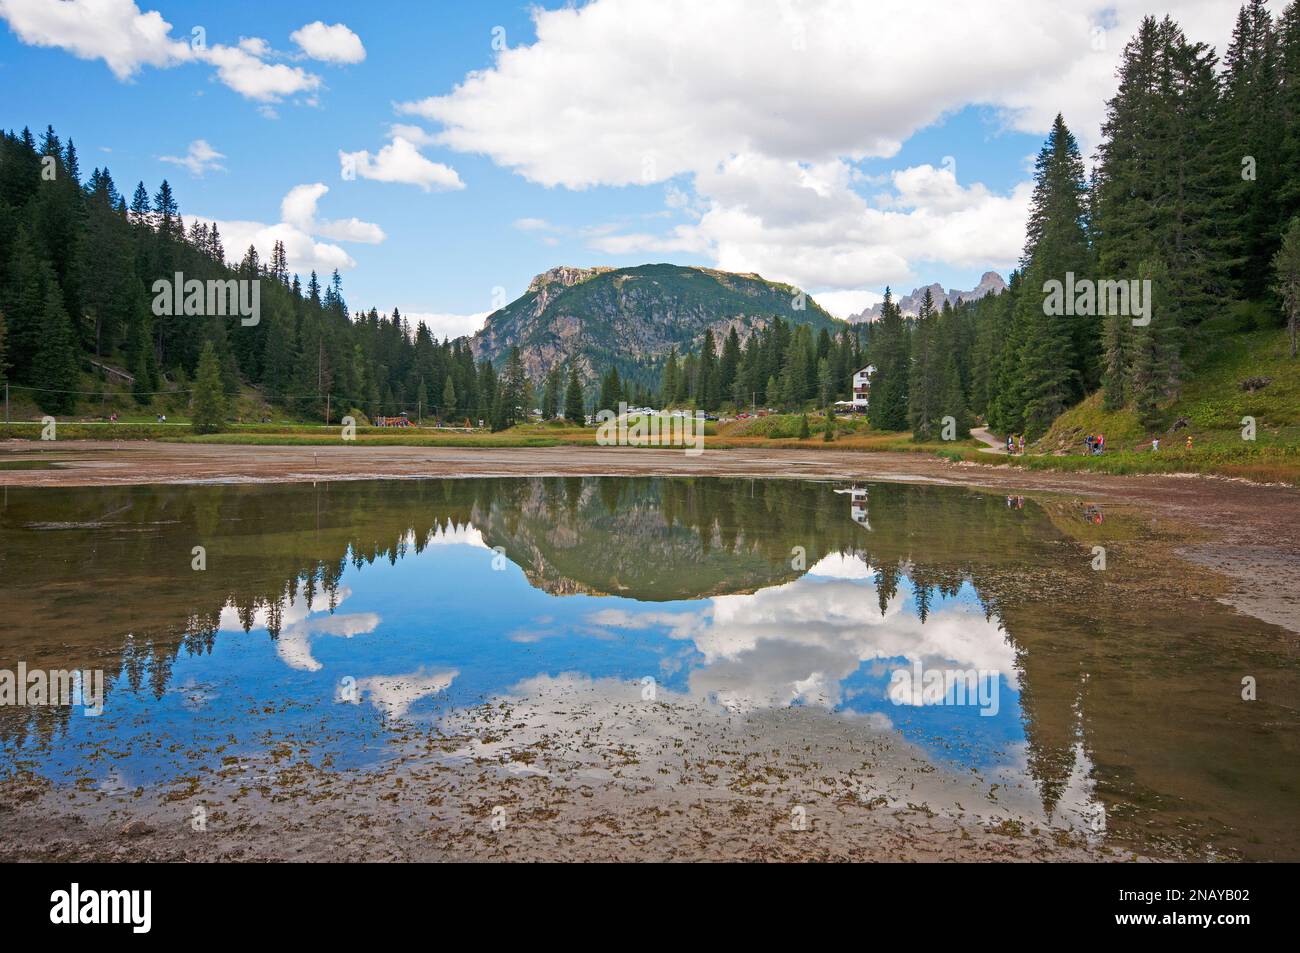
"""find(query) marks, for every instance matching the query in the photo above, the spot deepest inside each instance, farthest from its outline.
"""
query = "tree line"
(1195, 189)
(78, 262)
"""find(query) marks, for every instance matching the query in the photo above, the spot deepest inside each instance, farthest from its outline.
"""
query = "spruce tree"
(1286, 272)
(55, 371)
(573, 398)
(888, 406)
(208, 401)
(448, 398)
(923, 385)
(551, 393)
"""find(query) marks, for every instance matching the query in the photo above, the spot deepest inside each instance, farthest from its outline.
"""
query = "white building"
(862, 387)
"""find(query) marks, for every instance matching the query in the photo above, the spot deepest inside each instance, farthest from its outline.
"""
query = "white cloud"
(755, 116)
(845, 304)
(798, 642)
(199, 158)
(442, 324)
(298, 229)
(298, 208)
(333, 43)
(254, 78)
(412, 134)
(115, 31)
(128, 39)
(400, 161)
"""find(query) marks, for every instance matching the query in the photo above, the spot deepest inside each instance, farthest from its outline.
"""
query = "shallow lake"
(1051, 655)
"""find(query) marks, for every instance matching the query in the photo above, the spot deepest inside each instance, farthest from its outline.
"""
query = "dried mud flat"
(572, 770)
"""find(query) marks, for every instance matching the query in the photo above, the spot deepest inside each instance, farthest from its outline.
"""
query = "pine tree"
(923, 379)
(1056, 245)
(729, 366)
(551, 394)
(1286, 271)
(707, 393)
(573, 398)
(888, 407)
(208, 402)
(448, 397)
(55, 370)
(514, 391)
(611, 391)
(668, 382)
(1252, 111)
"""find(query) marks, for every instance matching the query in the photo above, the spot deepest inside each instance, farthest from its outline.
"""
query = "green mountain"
(632, 317)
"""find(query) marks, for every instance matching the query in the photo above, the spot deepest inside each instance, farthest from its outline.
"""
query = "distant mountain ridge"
(632, 317)
(990, 283)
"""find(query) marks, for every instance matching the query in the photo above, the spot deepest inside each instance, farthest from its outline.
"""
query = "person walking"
(1155, 445)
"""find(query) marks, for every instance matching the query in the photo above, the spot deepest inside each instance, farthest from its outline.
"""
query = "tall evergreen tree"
(208, 402)
(573, 399)
(888, 405)
(55, 370)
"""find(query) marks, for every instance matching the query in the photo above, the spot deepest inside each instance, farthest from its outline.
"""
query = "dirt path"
(994, 444)
(1252, 532)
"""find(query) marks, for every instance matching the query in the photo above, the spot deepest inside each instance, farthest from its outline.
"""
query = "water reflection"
(330, 613)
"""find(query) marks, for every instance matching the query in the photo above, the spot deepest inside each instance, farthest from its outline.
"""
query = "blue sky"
(838, 146)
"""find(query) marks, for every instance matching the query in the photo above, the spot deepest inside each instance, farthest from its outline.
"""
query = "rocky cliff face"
(990, 283)
(633, 317)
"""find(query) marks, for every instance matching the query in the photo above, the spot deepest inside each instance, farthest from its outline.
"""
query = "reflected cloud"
(796, 644)
(394, 695)
(298, 628)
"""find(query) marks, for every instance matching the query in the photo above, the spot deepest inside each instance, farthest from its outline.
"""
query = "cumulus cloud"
(299, 230)
(797, 643)
(115, 31)
(128, 39)
(400, 161)
(199, 158)
(756, 117)
(443, 324)
(298, 208)
(332, 43)
(254, 78)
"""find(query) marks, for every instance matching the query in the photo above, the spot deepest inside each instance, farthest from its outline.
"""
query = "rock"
(1252, 384)
(136, 829)
(1180, 423)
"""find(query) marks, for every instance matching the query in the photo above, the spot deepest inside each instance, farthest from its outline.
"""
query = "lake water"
(1102, 701)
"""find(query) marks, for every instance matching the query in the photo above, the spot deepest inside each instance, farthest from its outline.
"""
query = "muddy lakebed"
(632, 668)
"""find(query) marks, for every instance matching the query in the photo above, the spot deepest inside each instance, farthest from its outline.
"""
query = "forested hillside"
(78, 260)
(1195, 183)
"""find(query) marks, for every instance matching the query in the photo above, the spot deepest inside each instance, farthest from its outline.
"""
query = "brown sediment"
(571, 771)
(1248, 532)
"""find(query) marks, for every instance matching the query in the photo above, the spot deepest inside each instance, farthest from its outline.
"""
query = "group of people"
(1095, 443)
(1012, 444)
